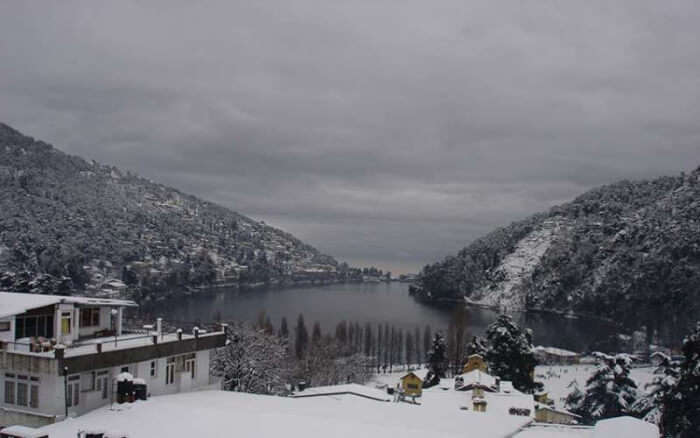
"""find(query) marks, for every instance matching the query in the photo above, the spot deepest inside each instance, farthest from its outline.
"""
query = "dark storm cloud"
(382, 132)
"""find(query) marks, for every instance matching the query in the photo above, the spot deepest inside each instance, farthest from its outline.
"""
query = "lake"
(368, 302)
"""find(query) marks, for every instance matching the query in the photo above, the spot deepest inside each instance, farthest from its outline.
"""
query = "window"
(124, 370)
(34, 396)
(154, 368)
(33, 325)
(9, 392)
(4, 326)
(65, 323)
(170, 371)
(90, 317)
(22, 388)
(102, 383)
(190, 364)
(73, 391)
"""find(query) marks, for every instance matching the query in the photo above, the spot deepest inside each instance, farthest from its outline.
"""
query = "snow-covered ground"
(517, 266)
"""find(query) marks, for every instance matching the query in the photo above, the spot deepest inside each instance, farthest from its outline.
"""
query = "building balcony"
(104, 352)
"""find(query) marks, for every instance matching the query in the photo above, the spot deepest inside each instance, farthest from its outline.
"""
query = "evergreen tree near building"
(437, 361)
(510, 355)
(681, 407)
(650, 405)
(610, 392)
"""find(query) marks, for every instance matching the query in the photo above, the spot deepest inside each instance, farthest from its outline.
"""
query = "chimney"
(159, 327)
(179, 334)
(196, 332)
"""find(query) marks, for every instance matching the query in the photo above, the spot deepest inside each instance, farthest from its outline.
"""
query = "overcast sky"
(382, 132)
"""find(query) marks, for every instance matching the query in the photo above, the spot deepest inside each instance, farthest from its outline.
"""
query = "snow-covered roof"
(555, 351)
(12, 303)
(222, 414)
(625, 427)
(349, 389)
(24, 432)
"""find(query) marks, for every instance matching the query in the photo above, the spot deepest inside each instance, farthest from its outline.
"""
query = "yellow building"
(412, 385)
(547, 414)
(475, 362)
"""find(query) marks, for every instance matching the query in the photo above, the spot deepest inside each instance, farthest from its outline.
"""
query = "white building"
(60, 356)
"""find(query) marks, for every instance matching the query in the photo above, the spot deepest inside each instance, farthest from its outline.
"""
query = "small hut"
(412, 385)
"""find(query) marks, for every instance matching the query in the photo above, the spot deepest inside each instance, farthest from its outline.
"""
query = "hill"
(67, 224)
(629, 252)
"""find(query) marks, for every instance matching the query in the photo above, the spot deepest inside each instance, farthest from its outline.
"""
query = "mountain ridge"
(69, 224)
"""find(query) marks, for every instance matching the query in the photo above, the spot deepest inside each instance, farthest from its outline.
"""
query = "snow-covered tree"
(437, 361)
(477, 346)
(650, 405)
(573, 400)
(509, 353)
(610, 392)
(681, 408)
(251, 361)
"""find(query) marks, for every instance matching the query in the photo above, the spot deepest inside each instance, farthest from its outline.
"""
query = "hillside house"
(59, 356)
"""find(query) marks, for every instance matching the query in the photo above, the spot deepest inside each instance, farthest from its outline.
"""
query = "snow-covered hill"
(629, 252)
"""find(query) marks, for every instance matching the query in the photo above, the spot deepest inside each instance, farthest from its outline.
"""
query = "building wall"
(8, 336)
(52, 394)
(547, 416)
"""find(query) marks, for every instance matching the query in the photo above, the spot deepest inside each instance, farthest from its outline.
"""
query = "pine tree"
(681, 408)
(417, 351)
(284, 330)
(437, 361)
(368, 340)
(477, 346)
(302, 338)
(427, 341)
(610, 392)
(380, 346)
(510, 355)
(316, 334)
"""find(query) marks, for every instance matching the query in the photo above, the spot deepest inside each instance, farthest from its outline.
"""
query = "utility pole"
(65, 389)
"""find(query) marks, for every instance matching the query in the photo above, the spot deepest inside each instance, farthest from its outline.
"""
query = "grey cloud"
(387, 132)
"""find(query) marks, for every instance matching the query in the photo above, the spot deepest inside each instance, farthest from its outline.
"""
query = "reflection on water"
(368, 302)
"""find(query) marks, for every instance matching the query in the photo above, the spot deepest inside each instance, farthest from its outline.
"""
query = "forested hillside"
(629, 251)
(68, 224)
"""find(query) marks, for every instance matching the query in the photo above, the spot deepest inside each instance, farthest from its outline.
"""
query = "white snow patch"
(516, 267)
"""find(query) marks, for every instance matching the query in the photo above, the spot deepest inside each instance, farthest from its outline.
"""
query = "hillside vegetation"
(629, 251)
(67, 224)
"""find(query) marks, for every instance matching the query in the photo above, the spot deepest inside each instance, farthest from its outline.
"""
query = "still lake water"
(368, 302)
